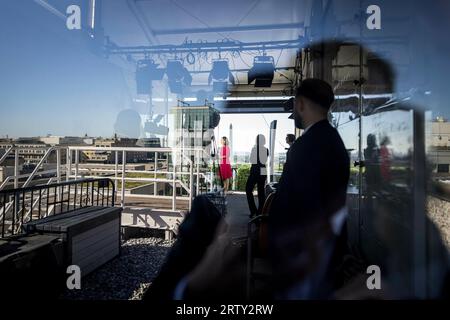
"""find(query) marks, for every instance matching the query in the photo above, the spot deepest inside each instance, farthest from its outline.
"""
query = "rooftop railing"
(179, 171)
(23, 205)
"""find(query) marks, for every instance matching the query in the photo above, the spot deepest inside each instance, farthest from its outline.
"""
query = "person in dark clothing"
(372, 164)
(290, 139)
(312, 189)
(258, 175)
(195, 234)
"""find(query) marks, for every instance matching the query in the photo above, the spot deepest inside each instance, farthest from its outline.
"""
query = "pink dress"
(224, 163)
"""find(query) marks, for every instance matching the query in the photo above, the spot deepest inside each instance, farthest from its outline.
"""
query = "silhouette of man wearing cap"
(312, 189)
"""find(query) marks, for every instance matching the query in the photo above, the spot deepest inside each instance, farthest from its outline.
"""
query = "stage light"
(178, 76)
(220, 70)
(262, 71)
(146, 72)
(220, 76)
(175, 70)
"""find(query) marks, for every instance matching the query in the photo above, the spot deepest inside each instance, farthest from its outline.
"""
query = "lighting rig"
(220, 76)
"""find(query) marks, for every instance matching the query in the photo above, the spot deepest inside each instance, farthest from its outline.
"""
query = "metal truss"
(219, 46)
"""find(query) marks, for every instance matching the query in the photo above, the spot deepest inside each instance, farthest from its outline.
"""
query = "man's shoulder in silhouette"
(319, 141)
(316, 172)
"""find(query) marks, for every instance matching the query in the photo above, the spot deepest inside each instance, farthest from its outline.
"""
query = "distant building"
(5, 144)
(440, 133)
(109, 156)
(150, 143)
(439, 145)
(63, 141)
(31, 150)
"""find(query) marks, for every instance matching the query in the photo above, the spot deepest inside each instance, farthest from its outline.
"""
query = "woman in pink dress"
(224, 164)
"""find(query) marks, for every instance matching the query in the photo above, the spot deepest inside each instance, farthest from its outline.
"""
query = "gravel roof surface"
(127, 276)
(439, 213)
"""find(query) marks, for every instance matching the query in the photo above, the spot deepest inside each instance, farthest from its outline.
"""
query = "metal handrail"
(134, 149)
(46, 186)
(8, 151)
(30, 176)
(27, 204)
(72, 169)
(9, 178)
(176, 153)
(38, 166)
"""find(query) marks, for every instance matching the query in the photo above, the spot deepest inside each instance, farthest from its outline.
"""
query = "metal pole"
(211, 177)
(166, 114)
(116, 167)
(231, 139)
(16, 169)
(197, 191)
(419, 245)
(58, 173)
(69, 164)
(191, 183)
(77, 160)
(360, 128)
(174, 188)
(58, 165)
(272, 139)
(154, 169)
(124, 161)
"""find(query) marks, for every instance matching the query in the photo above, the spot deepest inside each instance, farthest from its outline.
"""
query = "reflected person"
(372, 164)
(307, 216)
(225, 170)
(128, 124)
(290, 139)
(258, 175)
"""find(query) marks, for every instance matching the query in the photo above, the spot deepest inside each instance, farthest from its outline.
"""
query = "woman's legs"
(261, 193)
(251, 181)
(226, 185)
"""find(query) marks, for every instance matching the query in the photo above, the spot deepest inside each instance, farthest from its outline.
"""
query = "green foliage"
(243, 172)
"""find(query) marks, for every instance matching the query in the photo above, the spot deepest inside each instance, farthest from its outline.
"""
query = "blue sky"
(50, 82)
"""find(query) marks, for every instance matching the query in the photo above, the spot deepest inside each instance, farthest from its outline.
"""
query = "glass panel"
(160, 74)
